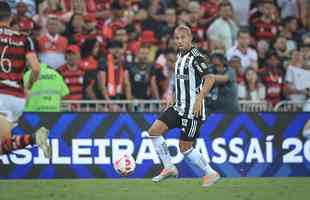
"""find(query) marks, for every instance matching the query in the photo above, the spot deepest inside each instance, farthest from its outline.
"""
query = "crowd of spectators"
(123, 49)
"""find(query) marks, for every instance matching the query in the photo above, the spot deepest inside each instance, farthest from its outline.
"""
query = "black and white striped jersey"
(189, 70)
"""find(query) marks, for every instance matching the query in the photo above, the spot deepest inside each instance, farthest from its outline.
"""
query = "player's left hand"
(198, 105)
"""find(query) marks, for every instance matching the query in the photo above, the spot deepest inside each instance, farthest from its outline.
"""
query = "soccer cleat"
(41, 137)
(166, 173)
(211, 179)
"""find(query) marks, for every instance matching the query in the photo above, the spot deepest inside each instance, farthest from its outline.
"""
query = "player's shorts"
(11, 107)
(189, 127)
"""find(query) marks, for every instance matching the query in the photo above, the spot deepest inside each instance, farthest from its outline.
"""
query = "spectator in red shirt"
(52, 45)
(148, 38)
(116, 20)
(89, 54)
(265, 28)
(23, 22)
(211, 10)
(91, 30)
(103, 9)
(272, 77)
(72, 73)
(90, 25)
(89, 64)
(75, 28)
(79, 6)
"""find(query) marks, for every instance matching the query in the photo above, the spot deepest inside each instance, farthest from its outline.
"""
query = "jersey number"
(5, 63)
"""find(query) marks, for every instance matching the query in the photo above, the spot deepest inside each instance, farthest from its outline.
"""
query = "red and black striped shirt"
(14, 47)
(265, 30)
(74, 79)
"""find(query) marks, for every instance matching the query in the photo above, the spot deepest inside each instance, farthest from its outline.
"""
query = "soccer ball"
(125, 165)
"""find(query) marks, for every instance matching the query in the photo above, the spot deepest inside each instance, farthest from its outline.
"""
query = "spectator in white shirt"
(247, 55)
(224, 28)
(293, 8)
(255, 90)
(242, 11)
(297, 78)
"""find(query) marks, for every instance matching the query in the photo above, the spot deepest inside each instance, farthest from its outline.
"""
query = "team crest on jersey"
(184, 122)
(204, 66)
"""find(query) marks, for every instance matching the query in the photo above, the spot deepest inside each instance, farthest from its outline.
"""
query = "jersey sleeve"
(29, 45)
(201, 64)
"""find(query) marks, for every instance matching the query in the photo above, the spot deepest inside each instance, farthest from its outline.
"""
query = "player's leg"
(5, 131)
(189, 133)
(165, 122)
(12, 108)
(9, 143)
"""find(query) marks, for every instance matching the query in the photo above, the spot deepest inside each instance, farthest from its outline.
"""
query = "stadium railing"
(255, 106)
(114, 105)
(289, 106)
(146, 106)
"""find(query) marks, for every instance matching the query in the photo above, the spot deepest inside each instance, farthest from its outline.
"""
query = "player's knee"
(153, 132)
(157, 129)
(185, 146)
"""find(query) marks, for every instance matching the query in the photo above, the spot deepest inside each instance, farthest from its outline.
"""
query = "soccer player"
(188, 111)
(16, 50)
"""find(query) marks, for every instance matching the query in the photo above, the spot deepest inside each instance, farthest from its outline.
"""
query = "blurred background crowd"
(123, 49)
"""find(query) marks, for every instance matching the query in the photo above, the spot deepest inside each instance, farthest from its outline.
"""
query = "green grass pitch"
(144, 189)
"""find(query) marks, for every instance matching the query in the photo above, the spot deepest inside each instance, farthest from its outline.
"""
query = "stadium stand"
(272, 61)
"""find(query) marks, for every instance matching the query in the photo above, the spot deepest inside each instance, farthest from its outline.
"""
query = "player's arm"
(206, 87)
(35, 69)
(208, 82)
(201, 65)
(33, 61)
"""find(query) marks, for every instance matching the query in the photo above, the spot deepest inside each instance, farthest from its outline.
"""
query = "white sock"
(198, 160)
(162, 150)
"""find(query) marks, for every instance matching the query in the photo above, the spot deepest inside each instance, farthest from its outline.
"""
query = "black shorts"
(189, 127)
